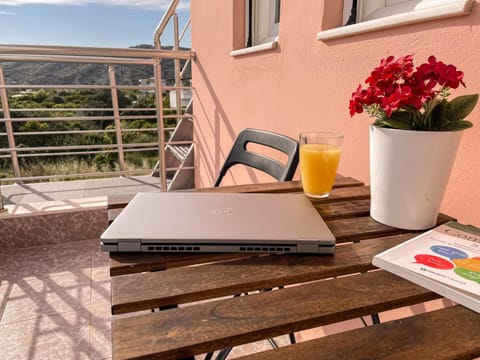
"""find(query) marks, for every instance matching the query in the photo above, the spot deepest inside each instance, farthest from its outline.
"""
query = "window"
(262, 19)
(375, 9)
(369, 15)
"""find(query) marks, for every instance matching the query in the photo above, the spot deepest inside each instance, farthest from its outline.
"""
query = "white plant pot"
(409, 172)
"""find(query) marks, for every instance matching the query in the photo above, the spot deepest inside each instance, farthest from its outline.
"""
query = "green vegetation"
(98, 113)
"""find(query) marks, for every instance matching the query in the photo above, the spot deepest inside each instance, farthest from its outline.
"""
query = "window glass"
(263, 21)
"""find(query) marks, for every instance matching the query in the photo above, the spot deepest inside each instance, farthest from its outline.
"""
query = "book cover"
(445, 260)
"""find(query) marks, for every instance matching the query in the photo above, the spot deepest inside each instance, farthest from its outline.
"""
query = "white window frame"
(375, 15)
(265, 26)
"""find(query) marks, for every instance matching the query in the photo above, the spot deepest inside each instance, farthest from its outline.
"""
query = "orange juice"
(318, 167)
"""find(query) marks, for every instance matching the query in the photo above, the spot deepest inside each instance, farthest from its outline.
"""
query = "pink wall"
(305, 84)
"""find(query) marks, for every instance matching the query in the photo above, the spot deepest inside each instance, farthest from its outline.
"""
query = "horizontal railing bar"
(54, 86)
(85, 152)
(86, 109)
(89, 118)
(63, 176)
(73, 132)
(75, 59)
(141, 149)
(83, 51)
(75, 86)
(76, 147)
(179, 116)
(60, 109)
(135, 117)
(87, 86)
(60, 118)
(67, 153)
(138, 109)
(83, 131)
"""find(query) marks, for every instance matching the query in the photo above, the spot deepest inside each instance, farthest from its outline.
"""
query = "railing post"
(8, 124)
(176, 62)
(116, 115)
(2, 208)
(157, 70)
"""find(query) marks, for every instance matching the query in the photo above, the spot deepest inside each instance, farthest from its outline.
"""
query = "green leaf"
(457, 125)
(438, 118)
(418, 120)
(396, 123)
(429, 107)
(460, 107)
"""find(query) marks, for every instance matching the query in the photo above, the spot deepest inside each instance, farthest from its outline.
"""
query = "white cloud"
(146, 4)
(7, 13)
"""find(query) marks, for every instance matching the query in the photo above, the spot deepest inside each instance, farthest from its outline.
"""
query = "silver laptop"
(219, 222)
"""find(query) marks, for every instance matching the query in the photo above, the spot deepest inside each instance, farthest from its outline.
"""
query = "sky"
(102, 23)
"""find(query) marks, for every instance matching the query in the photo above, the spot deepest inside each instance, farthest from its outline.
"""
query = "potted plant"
(414, 138)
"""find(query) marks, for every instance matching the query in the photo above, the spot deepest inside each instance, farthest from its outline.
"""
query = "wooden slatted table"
(216, 319)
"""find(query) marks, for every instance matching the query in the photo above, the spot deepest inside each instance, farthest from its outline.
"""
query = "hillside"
(86, 74)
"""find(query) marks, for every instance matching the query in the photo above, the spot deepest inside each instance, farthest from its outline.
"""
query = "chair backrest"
(240, 155)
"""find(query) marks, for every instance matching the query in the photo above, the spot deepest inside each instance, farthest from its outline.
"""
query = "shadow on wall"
(209, 155)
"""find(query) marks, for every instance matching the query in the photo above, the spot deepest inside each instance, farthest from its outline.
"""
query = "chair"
(240, 155)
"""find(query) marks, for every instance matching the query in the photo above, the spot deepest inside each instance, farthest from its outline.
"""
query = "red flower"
(396, 84)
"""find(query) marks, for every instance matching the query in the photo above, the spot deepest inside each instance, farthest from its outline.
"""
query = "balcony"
(54, 281)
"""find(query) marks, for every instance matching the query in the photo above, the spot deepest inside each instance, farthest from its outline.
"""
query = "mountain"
(33, 73)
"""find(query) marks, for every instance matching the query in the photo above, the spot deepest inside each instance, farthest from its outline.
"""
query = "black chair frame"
(240, 155)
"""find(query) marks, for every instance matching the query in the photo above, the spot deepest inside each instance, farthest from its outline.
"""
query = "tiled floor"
(55, 303)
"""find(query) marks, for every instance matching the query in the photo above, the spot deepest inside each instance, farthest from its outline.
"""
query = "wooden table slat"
(360, 228)
(344, 209)
(426, 336)
(131, 263)
(214, 325)
(144, 291)
(120, 201)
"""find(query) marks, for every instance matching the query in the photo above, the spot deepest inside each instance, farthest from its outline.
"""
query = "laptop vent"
(185, 248)
(265, 249)
(173, 248)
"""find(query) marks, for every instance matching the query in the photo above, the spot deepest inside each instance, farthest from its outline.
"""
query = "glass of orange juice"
(319, 158)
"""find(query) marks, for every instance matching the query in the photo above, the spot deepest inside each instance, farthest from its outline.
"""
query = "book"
(445, 260)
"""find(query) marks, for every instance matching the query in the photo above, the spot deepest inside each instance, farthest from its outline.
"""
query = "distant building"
(150, 82)
(185, 97)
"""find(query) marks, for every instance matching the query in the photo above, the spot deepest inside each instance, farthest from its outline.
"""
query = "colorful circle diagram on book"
(462, 265)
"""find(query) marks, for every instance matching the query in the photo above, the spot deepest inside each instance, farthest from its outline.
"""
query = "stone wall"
(38, 229)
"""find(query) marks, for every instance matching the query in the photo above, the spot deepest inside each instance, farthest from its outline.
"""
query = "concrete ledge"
(54, 206)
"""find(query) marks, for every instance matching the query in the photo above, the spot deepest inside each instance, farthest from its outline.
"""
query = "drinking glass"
(319, 158)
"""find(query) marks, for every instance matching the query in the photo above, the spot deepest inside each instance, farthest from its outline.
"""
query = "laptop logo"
(222, 211)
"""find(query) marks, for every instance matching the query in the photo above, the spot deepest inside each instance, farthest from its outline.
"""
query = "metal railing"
(14, 120)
